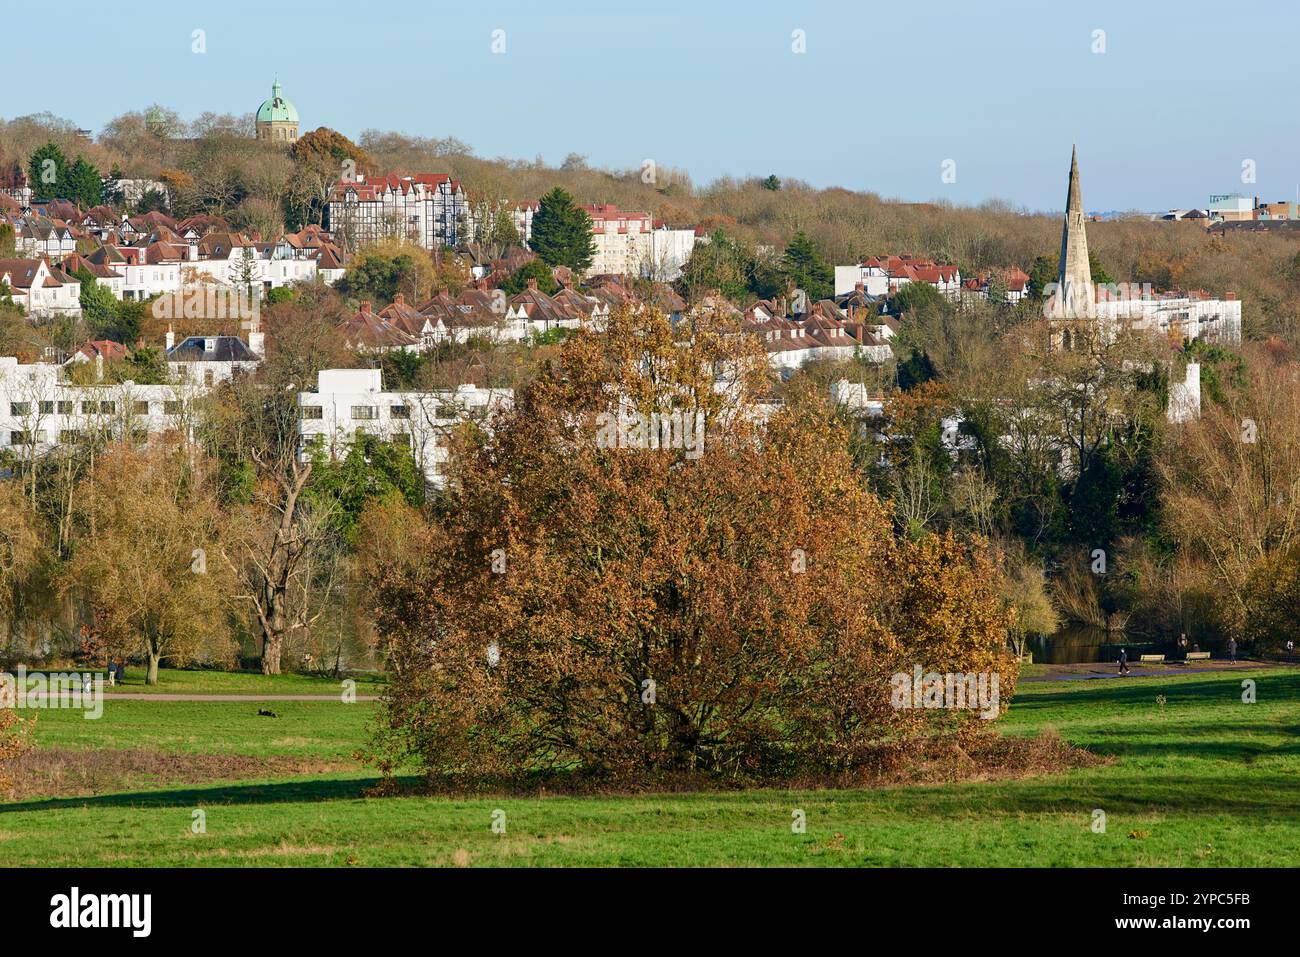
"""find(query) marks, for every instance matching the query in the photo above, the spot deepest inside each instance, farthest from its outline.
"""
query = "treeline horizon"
(253, 185)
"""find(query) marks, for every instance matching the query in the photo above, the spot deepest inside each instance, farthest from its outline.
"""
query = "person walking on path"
(1290, 648)
(1123, 661)
(1232, 649)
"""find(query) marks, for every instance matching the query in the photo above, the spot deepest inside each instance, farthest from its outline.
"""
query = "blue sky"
(1184, 93)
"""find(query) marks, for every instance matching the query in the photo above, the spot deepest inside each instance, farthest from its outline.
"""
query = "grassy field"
(1203, 780)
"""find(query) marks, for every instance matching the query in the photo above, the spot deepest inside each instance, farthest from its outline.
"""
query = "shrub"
(631, 613)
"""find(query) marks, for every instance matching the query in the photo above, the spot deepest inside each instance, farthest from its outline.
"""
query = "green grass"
(1204, 781)
(327, 730)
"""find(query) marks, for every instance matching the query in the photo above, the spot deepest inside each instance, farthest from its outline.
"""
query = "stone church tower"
(1073, 308)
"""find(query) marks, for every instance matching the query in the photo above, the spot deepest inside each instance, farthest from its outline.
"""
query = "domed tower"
(277, 120)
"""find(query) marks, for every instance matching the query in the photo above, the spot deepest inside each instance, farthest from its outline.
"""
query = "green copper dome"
(277, 109)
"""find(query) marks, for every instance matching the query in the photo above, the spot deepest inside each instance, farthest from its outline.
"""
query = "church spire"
(1074, 278)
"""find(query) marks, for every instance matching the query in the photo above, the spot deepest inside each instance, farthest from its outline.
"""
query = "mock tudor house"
(429, 209)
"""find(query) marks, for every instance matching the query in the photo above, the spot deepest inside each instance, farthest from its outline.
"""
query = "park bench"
(1152, 660)
(1198, 656)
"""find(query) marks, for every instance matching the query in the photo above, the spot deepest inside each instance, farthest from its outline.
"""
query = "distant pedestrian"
(1290, 648)
(1123, 661)
(1232, 649)
(1182, 644)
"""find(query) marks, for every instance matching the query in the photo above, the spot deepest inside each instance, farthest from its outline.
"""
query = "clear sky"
(885, 93)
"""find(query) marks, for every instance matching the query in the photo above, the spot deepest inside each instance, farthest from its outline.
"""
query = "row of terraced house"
(139, 257)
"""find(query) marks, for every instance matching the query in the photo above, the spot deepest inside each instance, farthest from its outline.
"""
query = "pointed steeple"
(1074, 278)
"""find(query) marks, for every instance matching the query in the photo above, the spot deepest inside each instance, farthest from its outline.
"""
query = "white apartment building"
(623, 241)
(429, 209)
(40, 409)
(669, 251)
(347, 402)
(1180, 315)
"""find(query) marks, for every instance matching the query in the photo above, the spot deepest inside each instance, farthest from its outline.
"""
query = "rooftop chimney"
(532, 284)
(399, 300)
(365, 307)
(171, 339)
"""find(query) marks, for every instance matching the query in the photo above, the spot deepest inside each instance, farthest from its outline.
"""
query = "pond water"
(1076, 643)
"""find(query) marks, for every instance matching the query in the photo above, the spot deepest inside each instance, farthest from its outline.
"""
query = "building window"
(209, 377)
(69, 436)
(87, 408)
(108, 408)
(311, 412)
(400, 412)
(361, 412)
(402, 439)
(172, 407)
(47, 407)
(141, 408)
(20, 408)
(65, 407)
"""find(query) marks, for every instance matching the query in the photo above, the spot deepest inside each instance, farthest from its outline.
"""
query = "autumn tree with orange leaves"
(624, 612)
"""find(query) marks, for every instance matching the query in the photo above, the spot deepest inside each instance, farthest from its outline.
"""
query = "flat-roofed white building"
(347, 402)
(40, 409)
(669, 251)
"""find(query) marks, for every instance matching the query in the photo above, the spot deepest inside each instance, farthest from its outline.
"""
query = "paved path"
(1110, 669)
